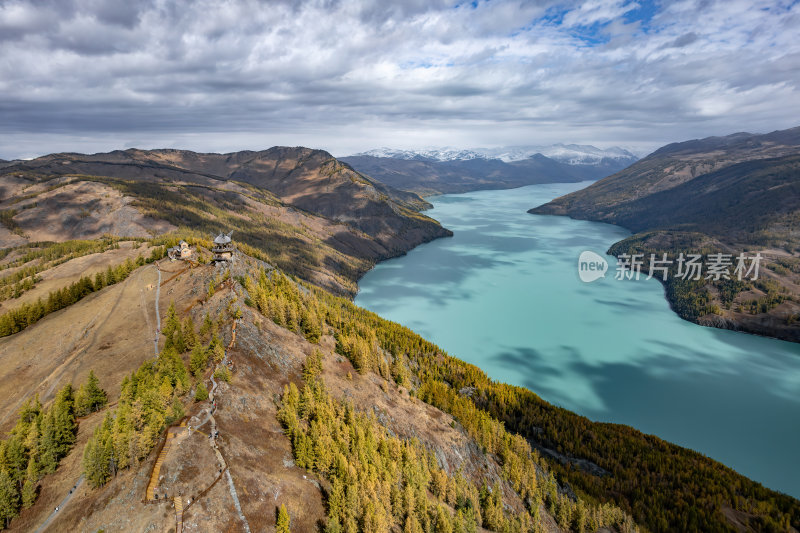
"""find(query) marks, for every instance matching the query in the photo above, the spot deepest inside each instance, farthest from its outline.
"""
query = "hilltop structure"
(181, 251)
(223, 247)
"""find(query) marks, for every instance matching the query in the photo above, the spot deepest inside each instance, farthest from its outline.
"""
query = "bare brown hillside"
(252, 443)
(309, 179)
(110, 331)
(314, 216)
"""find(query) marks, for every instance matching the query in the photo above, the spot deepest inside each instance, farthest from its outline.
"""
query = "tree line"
(46, 255)
(19, 318)
(663, 486)
(41, 437)
(312, 421)
(152, 398)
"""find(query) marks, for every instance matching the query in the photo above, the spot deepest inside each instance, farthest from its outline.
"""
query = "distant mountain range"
(572, 154)
(718, 194)
(449, 171)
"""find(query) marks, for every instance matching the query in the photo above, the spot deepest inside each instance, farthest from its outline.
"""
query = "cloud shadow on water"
(698, 408)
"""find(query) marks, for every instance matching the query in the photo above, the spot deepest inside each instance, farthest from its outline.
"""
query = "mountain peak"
(571, 154)
(430, 154)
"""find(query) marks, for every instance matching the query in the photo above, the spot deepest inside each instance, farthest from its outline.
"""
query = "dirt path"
(179, 505)
(61, 505)
(223, 463)
(91, 331)
(154, 474)
(158, 315)
(235, 497)
(231, 485)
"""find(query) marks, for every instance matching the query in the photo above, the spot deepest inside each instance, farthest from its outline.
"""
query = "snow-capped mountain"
(571, 154)
(432, 154)
(446, 170)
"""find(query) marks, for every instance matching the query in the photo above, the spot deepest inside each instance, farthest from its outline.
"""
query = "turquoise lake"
(504, 294)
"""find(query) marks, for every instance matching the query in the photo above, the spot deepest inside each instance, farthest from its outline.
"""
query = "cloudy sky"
(95, 75)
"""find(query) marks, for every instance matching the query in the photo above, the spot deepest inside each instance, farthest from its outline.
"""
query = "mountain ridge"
(427, 176)
(566, 153)
(331, 210)
(726, 194)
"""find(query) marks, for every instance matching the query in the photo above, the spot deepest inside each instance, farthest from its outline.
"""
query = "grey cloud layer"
(336, 74)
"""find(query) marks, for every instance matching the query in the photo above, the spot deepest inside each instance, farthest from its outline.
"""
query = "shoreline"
(660, 297)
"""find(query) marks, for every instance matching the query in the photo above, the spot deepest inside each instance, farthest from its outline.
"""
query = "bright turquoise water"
(504, 294)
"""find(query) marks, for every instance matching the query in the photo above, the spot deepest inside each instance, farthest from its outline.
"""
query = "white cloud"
(349, 76)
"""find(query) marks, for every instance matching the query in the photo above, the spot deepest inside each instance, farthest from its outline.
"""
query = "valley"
(430, 172)
(299, 383)
(370, 267)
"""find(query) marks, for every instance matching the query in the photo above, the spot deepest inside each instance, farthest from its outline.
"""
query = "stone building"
(223, 247)
(181, 251)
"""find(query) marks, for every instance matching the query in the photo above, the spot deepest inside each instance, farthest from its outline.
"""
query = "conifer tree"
(198, 361)
(207, 328)
(9, 498)
(111, 277)
(48, 445)
(201, 392)
(29, 487)
(189, 335)
(95, 397)
(282, 522)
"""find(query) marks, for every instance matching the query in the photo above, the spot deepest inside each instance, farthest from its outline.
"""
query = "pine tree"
(81, 401)
(198, 360)
(96, 459)
(63, 410)
(399, 372)
(48, 444)
(207, 328)
(412, 525)
(310, 325)
(282, 523)
(99, 281)
(189, 335)
(443, 521)
(9, 498)
(223, 374)
(211, 288)
(201, 392)
(312, 368)
(29, 487)
(111, 277)
(96, 397)
(333, 526)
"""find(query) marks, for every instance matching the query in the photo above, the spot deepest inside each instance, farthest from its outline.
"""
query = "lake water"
(504, 294)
